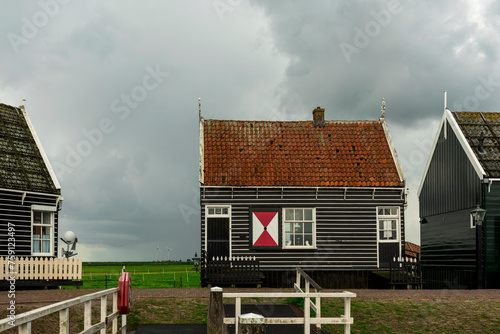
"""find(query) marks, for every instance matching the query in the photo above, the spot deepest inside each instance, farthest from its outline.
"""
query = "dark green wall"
(492, 235)
(449, 242)
(451, 183)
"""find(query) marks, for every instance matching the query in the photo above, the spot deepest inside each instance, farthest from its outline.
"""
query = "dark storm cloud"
(124, 141)
(346, 56)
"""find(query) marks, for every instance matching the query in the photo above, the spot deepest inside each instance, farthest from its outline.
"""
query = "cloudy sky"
(112, 89)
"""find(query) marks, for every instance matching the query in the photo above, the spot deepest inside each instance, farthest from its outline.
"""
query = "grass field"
(395, 315)
(144, 275)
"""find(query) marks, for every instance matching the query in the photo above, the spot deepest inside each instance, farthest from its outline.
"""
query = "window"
(42, 230)
(218, 211)
(299, 228)
(388, 223)
(472, 221)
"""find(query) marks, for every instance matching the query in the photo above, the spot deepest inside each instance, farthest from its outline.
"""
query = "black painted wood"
(346, 226)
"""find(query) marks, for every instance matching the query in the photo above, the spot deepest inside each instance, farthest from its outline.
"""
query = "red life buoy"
(124, 289)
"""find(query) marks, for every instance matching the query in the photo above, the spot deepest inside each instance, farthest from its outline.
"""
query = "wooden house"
(463, 172)
(325, 196)
(30, 195)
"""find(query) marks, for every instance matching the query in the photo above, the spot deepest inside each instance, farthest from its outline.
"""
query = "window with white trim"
(299, 228)
(42, 230)
(472, 221)
(218, 210)
(388, 223)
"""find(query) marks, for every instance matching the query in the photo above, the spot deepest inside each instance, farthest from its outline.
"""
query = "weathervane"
(382, 108)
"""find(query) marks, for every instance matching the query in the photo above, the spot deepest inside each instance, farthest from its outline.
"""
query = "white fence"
(307, 321)
(33, 268)
(23, 320)
(345, 319)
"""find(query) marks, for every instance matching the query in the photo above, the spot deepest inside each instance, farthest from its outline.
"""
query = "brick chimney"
(319, 117)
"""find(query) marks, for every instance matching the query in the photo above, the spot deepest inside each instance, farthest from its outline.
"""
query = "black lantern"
(478, 218)
(478, 215)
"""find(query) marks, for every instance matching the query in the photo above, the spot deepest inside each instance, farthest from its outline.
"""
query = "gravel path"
(44, 297)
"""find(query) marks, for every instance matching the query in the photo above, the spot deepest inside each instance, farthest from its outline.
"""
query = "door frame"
(398, 230)
(228, 215)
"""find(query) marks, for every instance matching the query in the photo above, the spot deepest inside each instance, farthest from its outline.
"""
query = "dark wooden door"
(217, 237)
(387, 252)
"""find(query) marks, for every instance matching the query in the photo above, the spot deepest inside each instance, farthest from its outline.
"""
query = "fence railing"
(307, 321)
(23, 321)
(308, 281)
(407, 273)
(232, 270)
(34, 268)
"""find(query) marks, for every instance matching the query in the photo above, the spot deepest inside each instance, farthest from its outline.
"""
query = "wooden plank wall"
(17, 212)
(346, 232)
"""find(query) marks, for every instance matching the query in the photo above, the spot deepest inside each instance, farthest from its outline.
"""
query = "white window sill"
(41, 254)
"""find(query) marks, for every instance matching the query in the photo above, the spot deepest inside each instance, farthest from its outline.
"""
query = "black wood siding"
(448, 246)
(13, 210)
(451, 183)
(492, 236)
(346, 231)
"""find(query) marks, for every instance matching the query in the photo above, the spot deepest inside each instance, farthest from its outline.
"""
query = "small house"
(462, 174)
(325, 196)
(30, 198)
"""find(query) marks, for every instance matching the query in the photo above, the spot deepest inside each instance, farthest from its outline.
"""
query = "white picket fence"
(23, 321)
(34, 268)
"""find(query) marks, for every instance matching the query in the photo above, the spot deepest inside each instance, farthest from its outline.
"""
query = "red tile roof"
(412, 250)
(265, 153)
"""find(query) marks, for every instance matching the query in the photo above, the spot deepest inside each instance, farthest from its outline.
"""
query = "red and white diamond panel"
(265, 226)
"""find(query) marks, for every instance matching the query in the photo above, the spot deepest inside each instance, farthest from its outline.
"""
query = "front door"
(218, 232)
(388, 235)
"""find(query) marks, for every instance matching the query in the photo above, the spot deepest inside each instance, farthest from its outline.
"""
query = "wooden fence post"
(215, 321)
(251, 323)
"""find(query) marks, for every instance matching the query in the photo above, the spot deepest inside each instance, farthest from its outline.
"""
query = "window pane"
(46, 246)
(46, 218)
(299, 214)
(299, 240)
(393, 224)
(380, 211)
(37, 217)
(224, 211)
(308, 227)
(289, 214)
(308, 239)
(387, 212)
(308, 214)
(37, 230)
(299, 227)
(394, 211)
(217, 211)
(288, 227)
(288, 240)
(36, 246)
(210, 211)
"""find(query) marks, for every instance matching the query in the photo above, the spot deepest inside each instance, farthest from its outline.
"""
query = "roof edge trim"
(40, 147)
(393, 150)
(448, 118)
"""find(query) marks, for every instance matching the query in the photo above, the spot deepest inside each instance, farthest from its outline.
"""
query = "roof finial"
(199, 107)
(382, 108)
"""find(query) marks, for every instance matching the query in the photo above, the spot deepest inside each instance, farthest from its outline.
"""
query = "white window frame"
(472, 222)
(219, 215)
(45, 209)
(396, 216)
(283, 227)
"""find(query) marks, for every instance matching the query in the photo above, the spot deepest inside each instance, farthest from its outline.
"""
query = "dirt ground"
(28, 300)
(44, 297)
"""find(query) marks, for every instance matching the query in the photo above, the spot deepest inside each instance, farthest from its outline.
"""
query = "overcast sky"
(112, 89)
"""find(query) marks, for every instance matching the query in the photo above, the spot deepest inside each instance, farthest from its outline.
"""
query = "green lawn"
(144, 275)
